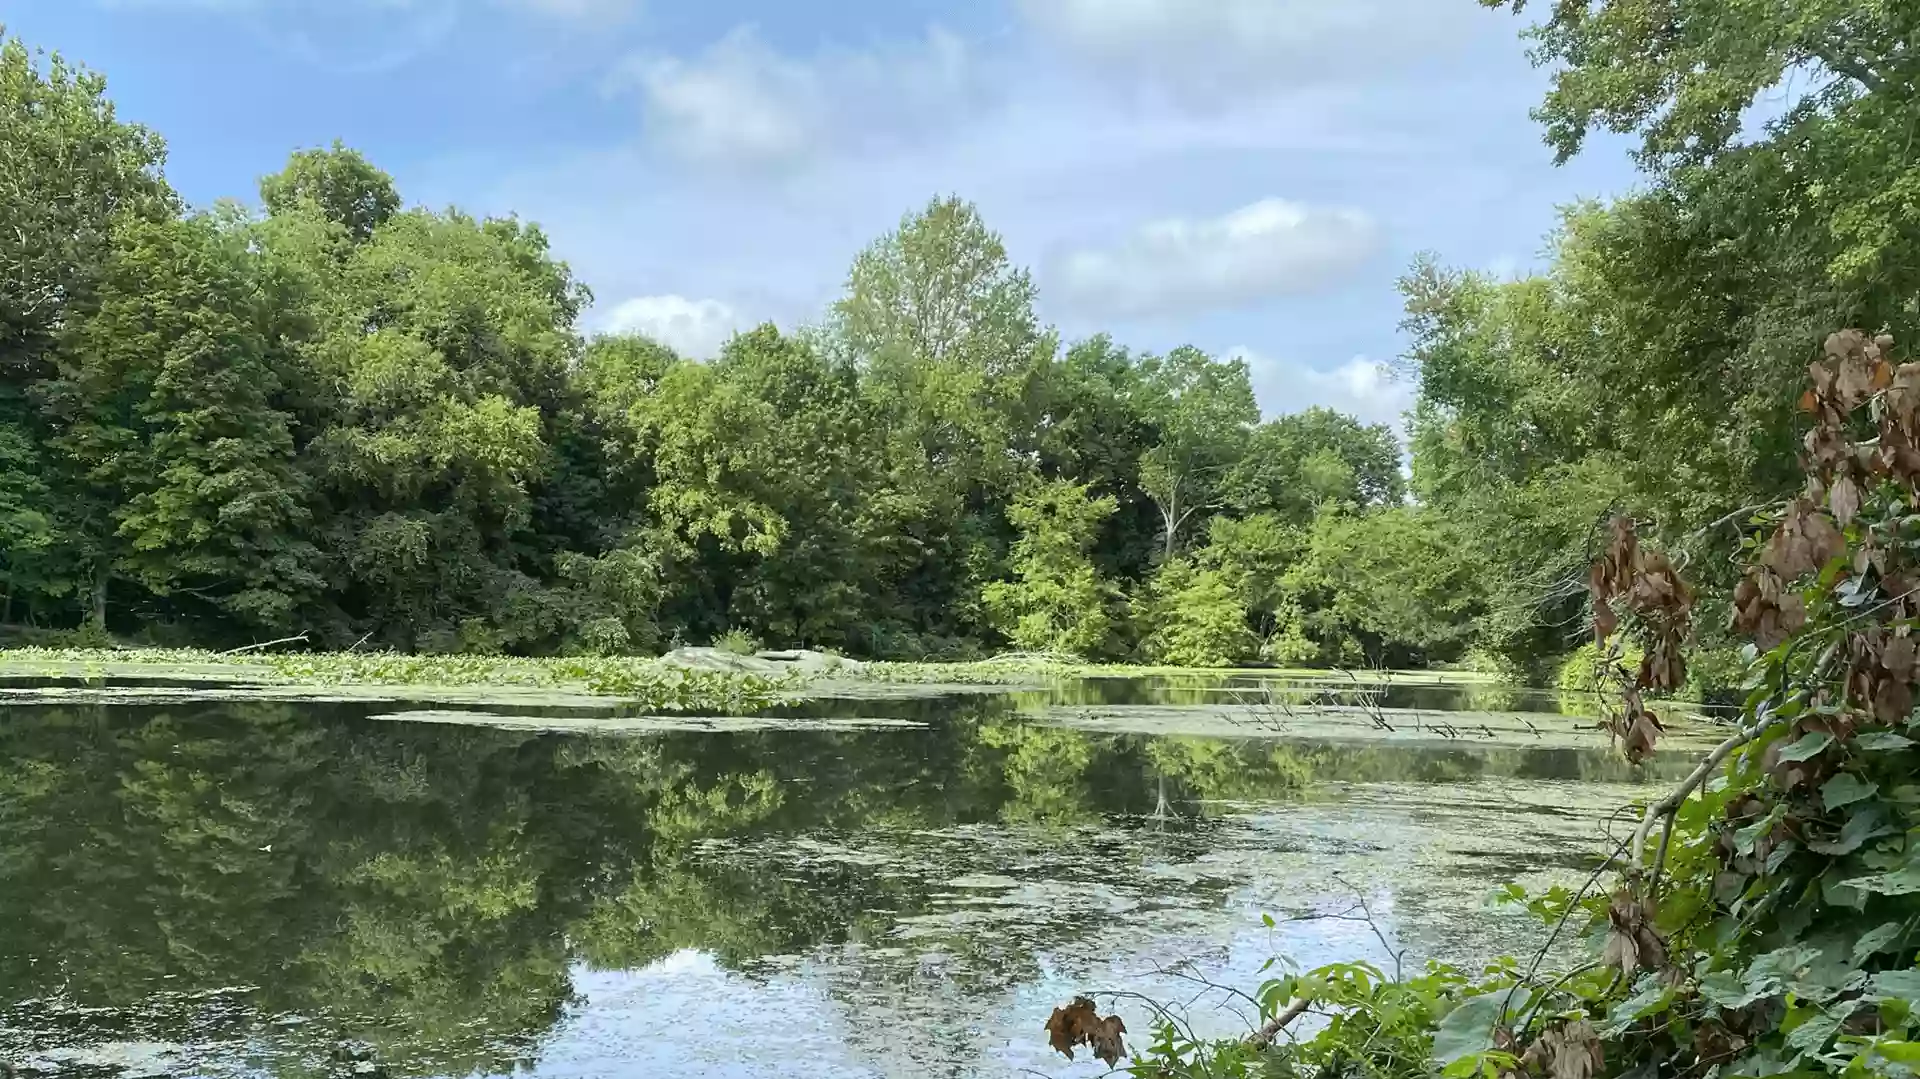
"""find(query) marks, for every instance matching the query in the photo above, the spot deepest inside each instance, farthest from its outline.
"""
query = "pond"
(893, 885)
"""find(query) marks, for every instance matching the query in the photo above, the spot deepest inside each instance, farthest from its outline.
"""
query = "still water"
(303, 889)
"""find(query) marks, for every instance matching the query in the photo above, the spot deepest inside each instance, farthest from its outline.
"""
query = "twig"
(1671, 801)
(1263, 1037)
(262, 644)
(1559, 923)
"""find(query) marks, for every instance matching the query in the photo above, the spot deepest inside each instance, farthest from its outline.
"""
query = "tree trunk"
(100, 578)
(1169, 516)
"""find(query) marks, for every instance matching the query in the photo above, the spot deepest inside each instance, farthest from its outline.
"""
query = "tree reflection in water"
(295, 875)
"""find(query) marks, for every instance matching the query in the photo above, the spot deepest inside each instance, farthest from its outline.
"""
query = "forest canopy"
(327, 412)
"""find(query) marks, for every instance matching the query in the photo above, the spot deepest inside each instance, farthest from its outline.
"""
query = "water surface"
(235, 887)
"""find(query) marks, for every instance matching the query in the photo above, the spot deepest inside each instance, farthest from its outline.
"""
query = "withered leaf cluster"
(1642, 582)
(1079, 1023)
(1632, 944)
(1843, 466)
(1569, 1050)
(1881, 667)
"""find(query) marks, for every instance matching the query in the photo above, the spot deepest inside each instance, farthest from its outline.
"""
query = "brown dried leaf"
(1845, 500)
(1106, 1041)
(1901, 658)
(1892, 700)
(1568, 1051)
(1079, 1023)
(1805, 541)
(1066, 1027)
(1632, 945)
(1643, 730)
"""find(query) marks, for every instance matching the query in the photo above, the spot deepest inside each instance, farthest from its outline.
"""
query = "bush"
(737, 641)
(603, 637)
(1579, 674)
(1715, 676)
(1198, 619)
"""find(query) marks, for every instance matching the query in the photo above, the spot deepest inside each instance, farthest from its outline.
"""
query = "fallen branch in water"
(262, 644)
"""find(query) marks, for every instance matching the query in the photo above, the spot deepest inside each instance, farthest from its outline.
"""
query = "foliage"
(1392, 587)
(1057, 602)
(1203, 409)
(738, 642)
(1198, 619)
(380, 426)
(1651, 368)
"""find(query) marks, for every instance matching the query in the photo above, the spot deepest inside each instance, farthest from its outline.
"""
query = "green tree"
(1296, 463)
(71, 173)
(1254, 554)
(1198, 618)
(1093, 428)
(1202, 409)
(339, 184)
(941, 327)
(1057, 602)
(1392, 585)
(165, 406)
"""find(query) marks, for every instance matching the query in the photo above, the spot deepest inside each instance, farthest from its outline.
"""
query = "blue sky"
(1247, 176)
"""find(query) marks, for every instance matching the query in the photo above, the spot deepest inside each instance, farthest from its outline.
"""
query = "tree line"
(334, 414)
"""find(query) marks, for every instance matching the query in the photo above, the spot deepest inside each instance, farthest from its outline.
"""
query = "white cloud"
(1216, 51)
(1179, 266)
(740, 102)
(589, 10)
(1365, 388)
(693, 328)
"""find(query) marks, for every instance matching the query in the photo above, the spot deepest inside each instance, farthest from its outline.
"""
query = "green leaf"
(1881, 741)
(1846, 789)
(1654, 995)
(1902, 881)
(1895, 1051)
(1468, 1028)
(1865, 824)
(1806, 746)
(1875, 939)
(1818, 1027)
(1897, 985)
(1725, 989)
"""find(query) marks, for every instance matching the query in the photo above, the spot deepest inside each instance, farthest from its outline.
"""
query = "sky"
(1246, 176)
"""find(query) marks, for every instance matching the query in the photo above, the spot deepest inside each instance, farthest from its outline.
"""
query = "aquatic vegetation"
(1021, 668)
(648, 683)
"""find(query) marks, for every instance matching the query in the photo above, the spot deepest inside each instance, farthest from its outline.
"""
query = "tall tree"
(1203, 410)
(70, 172)
(165, 405)
(339, 184)
(942, 328)
(1302, 460)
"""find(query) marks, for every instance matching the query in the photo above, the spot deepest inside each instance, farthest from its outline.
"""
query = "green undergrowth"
(646, 682)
